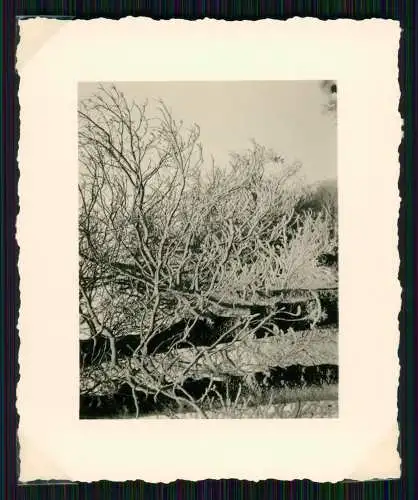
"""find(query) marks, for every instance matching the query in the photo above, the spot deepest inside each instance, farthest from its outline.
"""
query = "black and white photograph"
(208, 249)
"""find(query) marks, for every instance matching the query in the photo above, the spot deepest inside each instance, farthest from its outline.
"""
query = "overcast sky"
(284, 115)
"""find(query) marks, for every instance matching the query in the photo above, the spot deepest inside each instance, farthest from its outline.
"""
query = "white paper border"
(362, 56)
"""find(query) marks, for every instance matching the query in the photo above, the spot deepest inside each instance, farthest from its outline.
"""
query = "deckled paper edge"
(32, 470)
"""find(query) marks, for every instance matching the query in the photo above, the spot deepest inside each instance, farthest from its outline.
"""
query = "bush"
(164, 238)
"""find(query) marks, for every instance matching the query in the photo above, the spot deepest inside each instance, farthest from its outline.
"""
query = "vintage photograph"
(208, 249)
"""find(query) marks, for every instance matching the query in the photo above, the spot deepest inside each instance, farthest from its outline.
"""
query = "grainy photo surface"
(208, 249)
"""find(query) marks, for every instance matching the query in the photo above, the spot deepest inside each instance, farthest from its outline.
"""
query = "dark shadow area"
(122, 404)
(206, 331)
(300, 376)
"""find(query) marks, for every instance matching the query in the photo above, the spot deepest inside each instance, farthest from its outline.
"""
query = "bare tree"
(163, 239)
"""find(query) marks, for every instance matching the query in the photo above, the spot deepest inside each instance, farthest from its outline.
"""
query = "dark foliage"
(122, 402)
